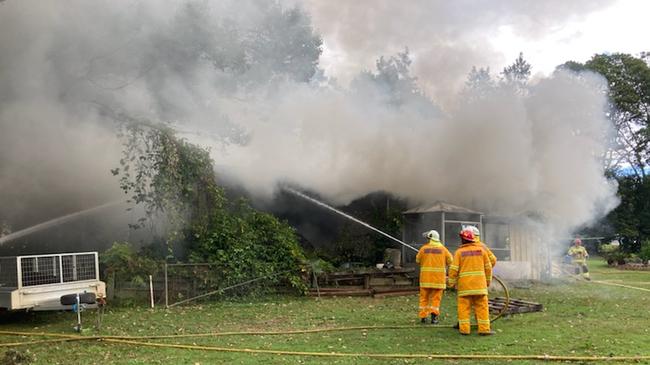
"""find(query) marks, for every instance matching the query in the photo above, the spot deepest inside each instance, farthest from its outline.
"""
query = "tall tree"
(517, 74)
(479, 83)
(392, 84)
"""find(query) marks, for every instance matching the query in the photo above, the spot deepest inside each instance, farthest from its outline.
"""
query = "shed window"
(497, 237)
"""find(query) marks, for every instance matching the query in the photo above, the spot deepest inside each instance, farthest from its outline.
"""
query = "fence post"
(151, 289)
(166, 288)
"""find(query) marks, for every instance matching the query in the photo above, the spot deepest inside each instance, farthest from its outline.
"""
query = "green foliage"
(644, 253)
(613, 255)
(319, 266)
(247, 244)
(124, 263)
(166, 174)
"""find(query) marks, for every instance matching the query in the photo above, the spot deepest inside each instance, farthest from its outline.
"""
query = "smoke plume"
(243, 78)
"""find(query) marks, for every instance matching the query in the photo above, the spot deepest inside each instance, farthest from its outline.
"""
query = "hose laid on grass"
(383, 356)
(620, 285)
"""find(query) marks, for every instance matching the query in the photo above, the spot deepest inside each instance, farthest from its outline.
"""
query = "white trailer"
(38, 282)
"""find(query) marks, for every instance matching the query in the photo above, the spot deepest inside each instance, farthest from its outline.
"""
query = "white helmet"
(433, 235)
(474, 230)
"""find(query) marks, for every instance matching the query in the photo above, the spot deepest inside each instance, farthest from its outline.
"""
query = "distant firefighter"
(471, 273)
(433, 259)
(579, 257)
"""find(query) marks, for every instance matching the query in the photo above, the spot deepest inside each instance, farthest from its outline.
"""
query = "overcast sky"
(620, 27)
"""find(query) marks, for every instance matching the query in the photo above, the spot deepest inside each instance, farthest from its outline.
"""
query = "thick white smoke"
(239, 77)
(501, 153)
(446, 38)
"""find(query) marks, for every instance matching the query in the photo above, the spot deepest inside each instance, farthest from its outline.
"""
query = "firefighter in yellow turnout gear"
(471, 273)
(433, 259)
(579, 258)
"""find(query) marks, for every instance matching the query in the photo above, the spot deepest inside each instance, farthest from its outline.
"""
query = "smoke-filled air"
(248, 80)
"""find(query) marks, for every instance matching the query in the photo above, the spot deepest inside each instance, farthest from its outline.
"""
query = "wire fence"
(180, 283)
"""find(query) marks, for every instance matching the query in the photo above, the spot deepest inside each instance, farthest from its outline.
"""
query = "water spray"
(328, 207)
(54, 222)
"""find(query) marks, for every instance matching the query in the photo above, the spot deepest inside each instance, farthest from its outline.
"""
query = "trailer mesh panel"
(40, 270)
(78, 267)
(53, 269)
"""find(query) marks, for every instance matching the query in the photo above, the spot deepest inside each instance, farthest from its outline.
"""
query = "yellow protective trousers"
(480, 304)
(430, 301)
(581, 268)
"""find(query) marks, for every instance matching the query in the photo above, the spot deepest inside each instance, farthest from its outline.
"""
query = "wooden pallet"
(515, 306)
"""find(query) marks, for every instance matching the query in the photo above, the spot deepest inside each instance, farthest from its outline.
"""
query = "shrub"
(247, 244)
(125, 264)
(644, 254)
(612, 254)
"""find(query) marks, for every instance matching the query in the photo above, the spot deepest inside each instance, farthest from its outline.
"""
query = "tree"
(479, 83)
(517, 74)
(392, 83)
(283, 44)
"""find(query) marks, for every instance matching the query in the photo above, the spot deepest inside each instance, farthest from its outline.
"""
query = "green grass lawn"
(580, 318)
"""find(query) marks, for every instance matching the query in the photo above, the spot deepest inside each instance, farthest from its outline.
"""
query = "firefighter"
(433, 259)
(477, 238)
(471, 274)
(579, 257)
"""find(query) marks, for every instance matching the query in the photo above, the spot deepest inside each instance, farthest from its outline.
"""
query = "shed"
(516, 242)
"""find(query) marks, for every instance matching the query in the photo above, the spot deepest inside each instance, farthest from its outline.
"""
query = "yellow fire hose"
(620, 285)
(384, 356)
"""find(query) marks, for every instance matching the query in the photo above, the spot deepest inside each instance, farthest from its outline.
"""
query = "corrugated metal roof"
(441, 207)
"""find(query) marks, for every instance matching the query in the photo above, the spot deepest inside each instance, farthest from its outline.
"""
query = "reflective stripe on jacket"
(433, 258)
(471, 271)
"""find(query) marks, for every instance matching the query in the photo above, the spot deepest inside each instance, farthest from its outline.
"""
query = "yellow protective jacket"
(433, 259)
(493, 259)
(578, 254)
(471, 271)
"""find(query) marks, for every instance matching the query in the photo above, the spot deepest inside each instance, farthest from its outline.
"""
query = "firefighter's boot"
(434, 319)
